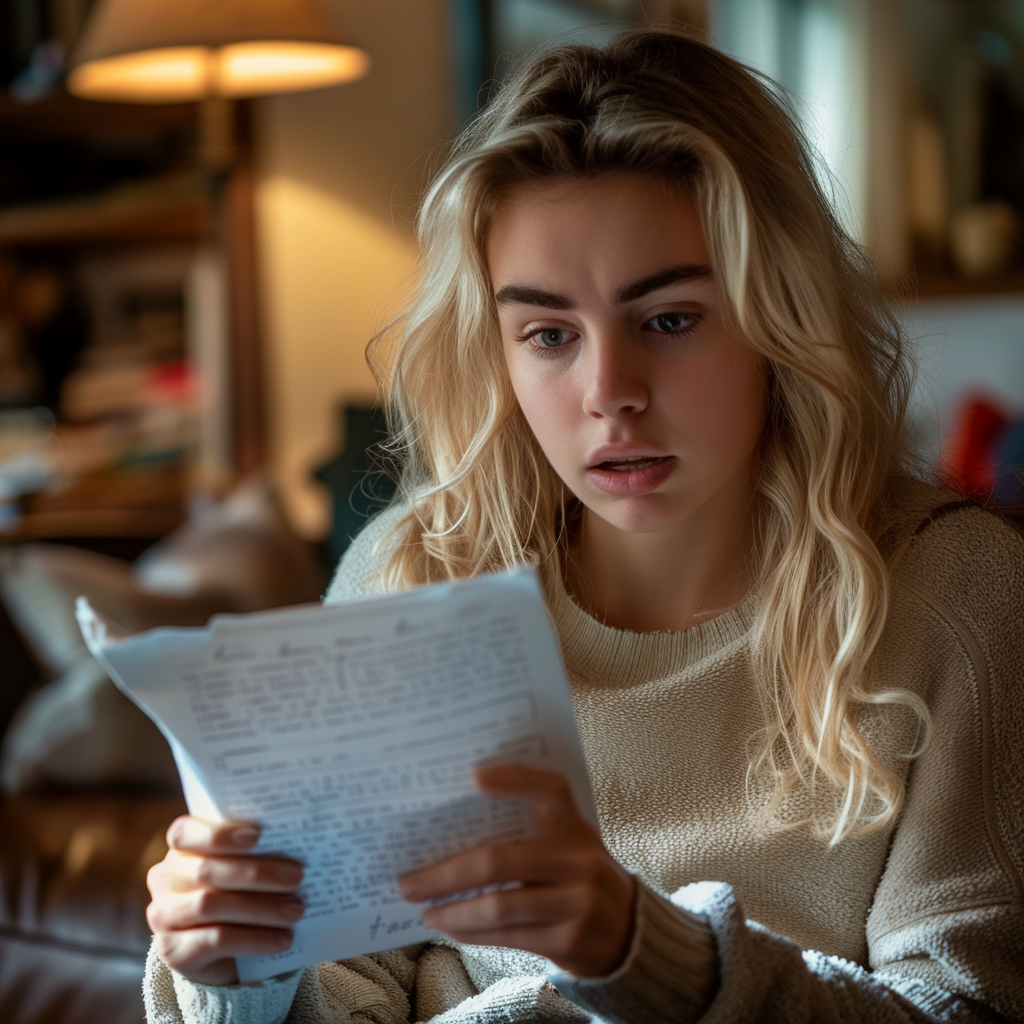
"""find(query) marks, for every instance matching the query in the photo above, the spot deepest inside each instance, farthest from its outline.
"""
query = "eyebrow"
(518, 293)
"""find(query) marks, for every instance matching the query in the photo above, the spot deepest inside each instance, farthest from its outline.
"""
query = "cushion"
(79, 730)
(241, 549)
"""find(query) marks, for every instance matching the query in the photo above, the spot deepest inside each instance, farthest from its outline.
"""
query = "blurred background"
(178, 307)
(204, 217)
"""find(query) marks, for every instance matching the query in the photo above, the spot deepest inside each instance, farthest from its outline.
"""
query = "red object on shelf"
(968, 460)
(174, 381)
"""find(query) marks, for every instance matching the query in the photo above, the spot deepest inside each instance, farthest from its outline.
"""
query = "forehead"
(617, 225)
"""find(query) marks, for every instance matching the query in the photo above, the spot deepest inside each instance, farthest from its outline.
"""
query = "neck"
(671, 579)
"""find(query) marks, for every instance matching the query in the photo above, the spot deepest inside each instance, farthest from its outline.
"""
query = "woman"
(646, 357)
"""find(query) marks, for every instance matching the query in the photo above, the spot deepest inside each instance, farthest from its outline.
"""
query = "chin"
(648, 514)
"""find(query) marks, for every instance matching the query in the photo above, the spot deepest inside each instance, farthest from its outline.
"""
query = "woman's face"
(643, 401)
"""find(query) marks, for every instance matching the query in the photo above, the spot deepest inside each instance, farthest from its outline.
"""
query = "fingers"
(204, 907)
(530, 863)
(180, 872)
(574, 903)
(207, 954)
(549, 792)
(197, 835)
(584, 931)
(553, 859)
(214, 900)
(512, 908)
(207, 854)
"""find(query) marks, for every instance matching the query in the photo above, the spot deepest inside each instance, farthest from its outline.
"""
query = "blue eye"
(672, 323)
(551, 337)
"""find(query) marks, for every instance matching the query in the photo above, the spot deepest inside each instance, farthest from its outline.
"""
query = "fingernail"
(293, 909)
(245, 836)
(285, 940)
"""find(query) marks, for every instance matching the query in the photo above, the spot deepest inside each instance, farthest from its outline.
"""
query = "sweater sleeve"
(394, 987)
(945, 935)
(758, 977)
(373, 989)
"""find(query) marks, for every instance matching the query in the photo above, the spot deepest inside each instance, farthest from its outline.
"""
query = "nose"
(615, 377)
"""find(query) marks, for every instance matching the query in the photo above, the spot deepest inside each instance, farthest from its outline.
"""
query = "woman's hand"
(213, 900)
(574, 904)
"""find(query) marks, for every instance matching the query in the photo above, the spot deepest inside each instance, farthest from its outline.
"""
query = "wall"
(963, 347)
(340, 171)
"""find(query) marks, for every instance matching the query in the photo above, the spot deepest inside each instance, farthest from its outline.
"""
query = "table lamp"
(171, 51)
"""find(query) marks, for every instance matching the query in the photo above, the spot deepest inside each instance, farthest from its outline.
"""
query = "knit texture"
(920, 923)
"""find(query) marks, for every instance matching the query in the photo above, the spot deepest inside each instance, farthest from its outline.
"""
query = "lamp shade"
(165, 51)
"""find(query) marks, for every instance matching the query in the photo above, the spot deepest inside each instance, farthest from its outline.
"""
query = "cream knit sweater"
(924, 922)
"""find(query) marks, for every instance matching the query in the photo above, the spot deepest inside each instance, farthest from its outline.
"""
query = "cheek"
(547, 400)
(721, 406)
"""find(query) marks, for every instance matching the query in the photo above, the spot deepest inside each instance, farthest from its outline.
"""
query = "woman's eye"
(672, 323)
(551, 337)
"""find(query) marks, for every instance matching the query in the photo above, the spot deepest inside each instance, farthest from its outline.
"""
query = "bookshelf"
(109, 218)
(141, 508)
(104, 185)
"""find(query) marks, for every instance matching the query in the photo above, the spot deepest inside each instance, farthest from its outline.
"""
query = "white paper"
(349, 732)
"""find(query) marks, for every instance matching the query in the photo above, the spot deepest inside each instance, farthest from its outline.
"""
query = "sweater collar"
(620, 657)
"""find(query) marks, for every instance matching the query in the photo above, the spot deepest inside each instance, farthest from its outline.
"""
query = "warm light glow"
(332, 274)
(247, 69)
(242, 69)
(153, 76)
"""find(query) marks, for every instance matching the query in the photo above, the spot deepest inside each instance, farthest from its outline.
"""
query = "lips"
(623, 452)
(630, 474)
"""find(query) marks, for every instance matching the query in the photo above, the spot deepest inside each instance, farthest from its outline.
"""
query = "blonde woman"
(645, 357)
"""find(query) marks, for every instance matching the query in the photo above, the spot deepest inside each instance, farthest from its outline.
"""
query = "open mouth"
(632, 474)
(631, 464)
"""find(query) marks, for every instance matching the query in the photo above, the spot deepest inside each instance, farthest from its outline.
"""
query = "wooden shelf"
(123, 215)
(930, 283)
(121, 523)
(147, 505)
(166, 204)
(63, 118)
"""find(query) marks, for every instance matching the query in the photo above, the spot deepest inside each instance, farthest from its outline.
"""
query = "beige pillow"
(241, 549)
(79, 730)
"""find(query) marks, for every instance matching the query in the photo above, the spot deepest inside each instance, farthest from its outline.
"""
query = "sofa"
(89, 783)
(73, 934)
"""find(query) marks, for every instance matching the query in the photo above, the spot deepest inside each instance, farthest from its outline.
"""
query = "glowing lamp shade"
(165, 51)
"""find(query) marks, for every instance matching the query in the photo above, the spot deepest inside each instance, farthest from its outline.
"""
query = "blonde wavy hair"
(479, 492)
